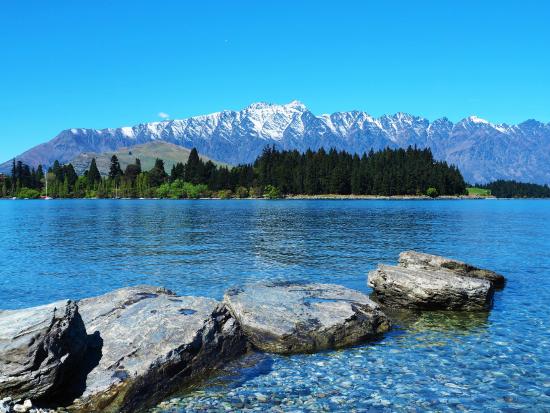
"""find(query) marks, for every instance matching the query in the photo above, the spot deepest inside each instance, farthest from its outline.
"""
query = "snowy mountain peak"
(475, 119)
(476, 122)
(295, 105)
(259, 106)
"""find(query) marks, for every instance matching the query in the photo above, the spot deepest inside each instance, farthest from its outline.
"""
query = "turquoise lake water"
(497, 361)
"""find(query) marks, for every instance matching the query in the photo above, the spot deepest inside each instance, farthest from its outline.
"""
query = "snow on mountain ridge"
(482, 150)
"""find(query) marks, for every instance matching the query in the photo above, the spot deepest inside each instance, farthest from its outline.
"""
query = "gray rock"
(39, 347)
(422, 260)
(290, 318)
(429, 289)
(151, 342)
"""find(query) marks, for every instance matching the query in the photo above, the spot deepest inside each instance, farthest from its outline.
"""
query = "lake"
(430, 361)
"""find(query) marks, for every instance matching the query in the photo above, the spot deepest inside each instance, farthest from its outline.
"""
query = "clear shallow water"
(432, 361)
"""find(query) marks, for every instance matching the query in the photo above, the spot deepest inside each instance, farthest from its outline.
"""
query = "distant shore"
(384, 197)
(302, 197)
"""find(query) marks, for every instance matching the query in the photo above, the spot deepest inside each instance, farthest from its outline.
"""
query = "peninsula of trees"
(387, 172)
(513, 189)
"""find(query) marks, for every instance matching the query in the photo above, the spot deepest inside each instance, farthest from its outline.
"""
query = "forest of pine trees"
(388, 172)
(513, 189)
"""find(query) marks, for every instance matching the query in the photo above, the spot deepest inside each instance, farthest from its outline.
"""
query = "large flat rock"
(39, 347)
(429, 289)
(290, 318)
(151, 342)
(429, 261)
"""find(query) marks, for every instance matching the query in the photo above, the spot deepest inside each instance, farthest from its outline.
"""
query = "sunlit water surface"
(430, 362)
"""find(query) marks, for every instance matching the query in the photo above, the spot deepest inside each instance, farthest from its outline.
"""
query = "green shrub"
(241, 192)
(225, 194)
(272, 192)
(432, 192)
(194, 191)
(28, 193)
(163, 191)
(255, 192)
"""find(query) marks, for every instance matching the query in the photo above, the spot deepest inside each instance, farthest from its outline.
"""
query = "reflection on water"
(497, 361)
(447, 322)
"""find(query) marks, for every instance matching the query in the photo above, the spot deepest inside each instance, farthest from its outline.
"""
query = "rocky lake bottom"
(430, 361)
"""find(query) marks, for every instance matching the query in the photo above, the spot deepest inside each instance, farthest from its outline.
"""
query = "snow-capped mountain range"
(482, 150)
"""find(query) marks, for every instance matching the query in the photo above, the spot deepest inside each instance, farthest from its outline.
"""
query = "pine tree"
(131, 173)
(194, 167)
(13, 177)
(94, 177)
(157, 175)
(115, 172)
(70, 175)
(39, 177)
(356, 181)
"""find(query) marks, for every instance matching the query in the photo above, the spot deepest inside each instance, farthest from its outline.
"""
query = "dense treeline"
(388, 172)
(513, 189)
(22, 178)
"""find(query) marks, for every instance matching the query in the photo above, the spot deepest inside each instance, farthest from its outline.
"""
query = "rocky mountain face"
(482, 150)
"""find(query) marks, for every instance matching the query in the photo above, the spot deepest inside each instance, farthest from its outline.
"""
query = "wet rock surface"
(428, 261)
(429, 289)
(150, 342)
(292, 318)
(39, 347)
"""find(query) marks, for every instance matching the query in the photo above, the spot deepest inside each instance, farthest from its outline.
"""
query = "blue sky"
(114, 63)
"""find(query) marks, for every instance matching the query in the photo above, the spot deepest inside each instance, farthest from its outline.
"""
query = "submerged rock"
(429, 288)
(422, 260)
(39, 347)
(291, 318)
(150, 342)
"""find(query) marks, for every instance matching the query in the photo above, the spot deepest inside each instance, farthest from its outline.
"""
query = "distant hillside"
(147, 153)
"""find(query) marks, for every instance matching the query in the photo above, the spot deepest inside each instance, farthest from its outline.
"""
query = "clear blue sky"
(113, 63)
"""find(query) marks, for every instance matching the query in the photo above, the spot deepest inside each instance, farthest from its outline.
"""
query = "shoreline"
(299, 197)
(324, 197)
(383, 197)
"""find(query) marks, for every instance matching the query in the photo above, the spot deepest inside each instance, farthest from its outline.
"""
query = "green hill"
(474, 191)
(147, 153)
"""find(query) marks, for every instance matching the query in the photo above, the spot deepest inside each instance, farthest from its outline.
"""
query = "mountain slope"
(147, 154)
(483, 151)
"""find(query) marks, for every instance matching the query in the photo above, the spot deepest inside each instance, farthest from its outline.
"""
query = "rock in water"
(39, 347)
(429, 289)
(291, 318)
(422, 260)
(151, 342)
